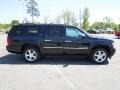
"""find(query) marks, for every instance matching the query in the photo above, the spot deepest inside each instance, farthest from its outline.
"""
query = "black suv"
(35, 40)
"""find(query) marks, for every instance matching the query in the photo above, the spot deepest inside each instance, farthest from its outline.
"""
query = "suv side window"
(74, 33)
(16, 31)
(33, 31)
(71, 32)
(54, 31)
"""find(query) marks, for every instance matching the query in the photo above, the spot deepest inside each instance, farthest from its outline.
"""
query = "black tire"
(101, 60)
(34, 52)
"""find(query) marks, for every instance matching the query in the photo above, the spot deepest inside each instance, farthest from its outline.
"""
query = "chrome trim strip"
(53, 47)
(65, 48)
(68, 41)
(47, 40)
(76, 48)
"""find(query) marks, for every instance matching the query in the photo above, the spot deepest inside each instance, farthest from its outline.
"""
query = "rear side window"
(16, 31)
(26, 31)
(54, 31)
(32, 31)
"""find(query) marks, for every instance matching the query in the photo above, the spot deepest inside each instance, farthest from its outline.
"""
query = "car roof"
(45, 25)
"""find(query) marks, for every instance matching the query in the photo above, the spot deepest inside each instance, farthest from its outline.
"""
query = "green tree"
(85, 17)
(69, 17)
(1, 26)
(80, 18)
(73, 20)
(107, 19)
(14, 22)
(66, 16)
(5, 26)
(32, 9)
(118, 27)
(98, 25)
(103, 25)
(111, 25)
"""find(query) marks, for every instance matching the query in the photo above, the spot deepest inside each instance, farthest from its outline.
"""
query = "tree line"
(9, 25)
(66, 17)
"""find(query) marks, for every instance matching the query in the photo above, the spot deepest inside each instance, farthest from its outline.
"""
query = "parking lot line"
(64, 77)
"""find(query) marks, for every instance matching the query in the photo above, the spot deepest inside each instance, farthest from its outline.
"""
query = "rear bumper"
(112, 52)
(13, 49)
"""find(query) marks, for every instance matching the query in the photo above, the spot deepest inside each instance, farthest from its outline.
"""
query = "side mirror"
(83, 35)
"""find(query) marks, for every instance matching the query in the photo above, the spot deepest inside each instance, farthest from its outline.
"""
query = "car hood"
(97, 37)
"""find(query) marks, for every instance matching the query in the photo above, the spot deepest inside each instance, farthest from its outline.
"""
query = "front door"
(74, 42)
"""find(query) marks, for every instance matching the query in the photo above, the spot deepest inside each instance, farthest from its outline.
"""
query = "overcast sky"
(14, 9)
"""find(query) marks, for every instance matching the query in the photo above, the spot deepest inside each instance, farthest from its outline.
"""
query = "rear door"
(74, 42)
(53, 39)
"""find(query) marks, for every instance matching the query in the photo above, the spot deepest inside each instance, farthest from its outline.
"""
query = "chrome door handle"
(47, 40)
(68, 41)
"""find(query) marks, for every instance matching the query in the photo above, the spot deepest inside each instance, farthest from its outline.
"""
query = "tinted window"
(72, 32)
(16, 31)
(33, 31)
(54, 31)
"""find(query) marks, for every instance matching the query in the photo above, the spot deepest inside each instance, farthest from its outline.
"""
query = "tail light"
(8, 40)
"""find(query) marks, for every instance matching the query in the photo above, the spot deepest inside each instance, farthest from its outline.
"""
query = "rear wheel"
(99, 56)
(31, 54)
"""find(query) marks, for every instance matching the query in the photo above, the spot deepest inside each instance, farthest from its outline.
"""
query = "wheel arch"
(30, 45)
(103, 47)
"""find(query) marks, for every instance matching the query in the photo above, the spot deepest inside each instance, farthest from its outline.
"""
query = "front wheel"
(99, 56)
(31, 54)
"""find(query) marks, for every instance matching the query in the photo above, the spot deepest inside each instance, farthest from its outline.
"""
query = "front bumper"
(112, 52)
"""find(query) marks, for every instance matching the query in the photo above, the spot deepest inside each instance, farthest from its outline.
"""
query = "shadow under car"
(50, 60)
